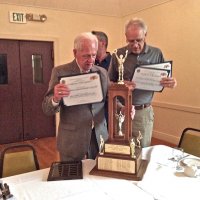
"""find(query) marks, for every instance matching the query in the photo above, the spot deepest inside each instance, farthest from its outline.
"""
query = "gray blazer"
(75, 127)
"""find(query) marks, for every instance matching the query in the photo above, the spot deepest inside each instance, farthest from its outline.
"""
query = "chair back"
(190, 141)
(18, 159)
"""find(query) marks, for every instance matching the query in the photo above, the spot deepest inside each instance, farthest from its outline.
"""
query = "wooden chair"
(16, 159)
(190, 141)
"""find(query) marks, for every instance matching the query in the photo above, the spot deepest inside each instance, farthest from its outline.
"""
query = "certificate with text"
(84, 89)
(149, 78)
(165, 66)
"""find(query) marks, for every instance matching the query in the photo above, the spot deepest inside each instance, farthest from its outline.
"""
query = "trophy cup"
(121, 156)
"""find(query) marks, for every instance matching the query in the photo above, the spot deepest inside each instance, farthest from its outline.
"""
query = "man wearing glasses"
(139, 53)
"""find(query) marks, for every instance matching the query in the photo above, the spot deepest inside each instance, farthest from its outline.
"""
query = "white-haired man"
(80, 126)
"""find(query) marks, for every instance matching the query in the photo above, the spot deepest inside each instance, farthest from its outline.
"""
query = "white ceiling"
(117, 8)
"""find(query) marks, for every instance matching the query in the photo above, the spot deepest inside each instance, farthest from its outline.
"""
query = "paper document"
(84, 89)
(148, 77)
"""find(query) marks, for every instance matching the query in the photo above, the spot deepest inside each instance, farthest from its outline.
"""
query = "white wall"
(173, 27)
(60, 27)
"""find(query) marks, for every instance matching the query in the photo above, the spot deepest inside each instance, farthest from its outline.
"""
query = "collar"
(81, 71)
(106, 58)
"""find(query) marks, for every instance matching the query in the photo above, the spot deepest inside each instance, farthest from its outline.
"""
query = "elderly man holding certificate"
(139, 53)
(78, 91)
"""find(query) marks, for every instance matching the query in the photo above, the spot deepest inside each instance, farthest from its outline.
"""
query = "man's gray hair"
(138, 22)
(81, 38)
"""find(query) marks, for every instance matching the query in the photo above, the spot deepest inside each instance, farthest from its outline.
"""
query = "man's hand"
(132, 112)
(130, 84)
(60, 90)
(168, 82)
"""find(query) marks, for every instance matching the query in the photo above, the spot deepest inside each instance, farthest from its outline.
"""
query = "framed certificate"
(148, 77)
(162, 66)
(84, 89)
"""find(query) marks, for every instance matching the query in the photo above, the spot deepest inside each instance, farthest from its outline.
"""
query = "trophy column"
(120, 125)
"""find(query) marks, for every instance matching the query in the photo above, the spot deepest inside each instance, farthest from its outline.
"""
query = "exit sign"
(17, 17)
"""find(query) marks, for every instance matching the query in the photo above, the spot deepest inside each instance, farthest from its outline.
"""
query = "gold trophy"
(121, 156)
(121, 61)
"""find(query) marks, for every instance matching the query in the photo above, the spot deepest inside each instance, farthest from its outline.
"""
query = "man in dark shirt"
(103, 56)
(139, 53)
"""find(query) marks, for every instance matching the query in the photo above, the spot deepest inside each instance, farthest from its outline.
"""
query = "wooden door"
(29, 65)
(11, 125)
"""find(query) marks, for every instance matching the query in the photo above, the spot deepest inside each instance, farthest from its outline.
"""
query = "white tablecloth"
(160, 181)
(34, 186)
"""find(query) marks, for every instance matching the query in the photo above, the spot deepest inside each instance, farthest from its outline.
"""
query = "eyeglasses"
(136, 41)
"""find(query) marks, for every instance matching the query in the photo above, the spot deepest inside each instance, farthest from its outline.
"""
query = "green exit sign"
(17, 17)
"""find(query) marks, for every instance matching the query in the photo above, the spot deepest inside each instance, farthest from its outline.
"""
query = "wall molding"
(166, 137)
(178, 107)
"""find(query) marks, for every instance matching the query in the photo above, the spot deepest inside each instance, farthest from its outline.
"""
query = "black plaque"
(65, 171)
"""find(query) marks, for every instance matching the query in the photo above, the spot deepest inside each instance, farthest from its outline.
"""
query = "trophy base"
(118, 148)
(128, 176)
(120, 166)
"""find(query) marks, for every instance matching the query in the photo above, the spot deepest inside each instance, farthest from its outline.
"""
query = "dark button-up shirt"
(105, 62)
